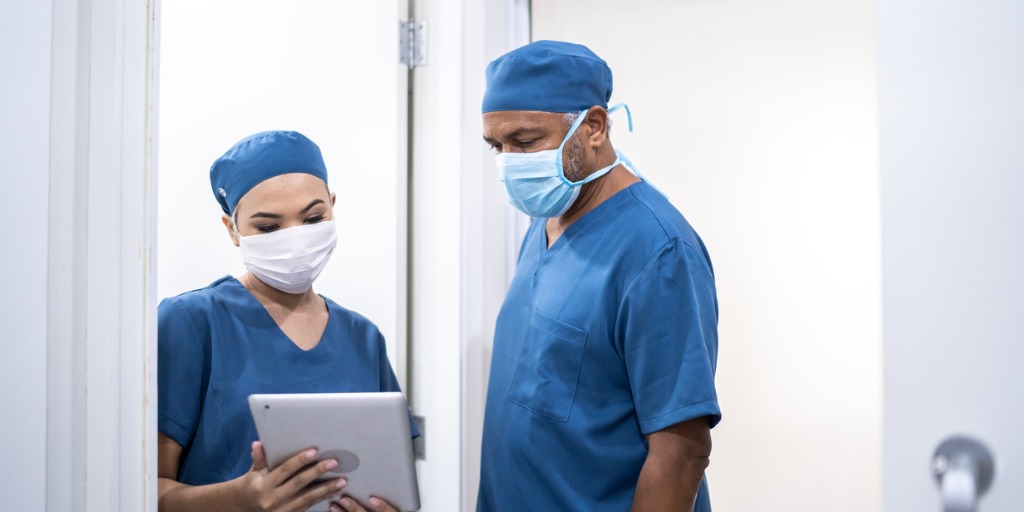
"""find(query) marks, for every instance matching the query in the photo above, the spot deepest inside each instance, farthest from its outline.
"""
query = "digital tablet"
(367, 433)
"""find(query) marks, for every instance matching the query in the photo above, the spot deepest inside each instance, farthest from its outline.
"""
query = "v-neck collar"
(583, 223)
(263, 315)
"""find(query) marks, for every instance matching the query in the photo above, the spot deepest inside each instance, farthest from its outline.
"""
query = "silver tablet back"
(367, 433)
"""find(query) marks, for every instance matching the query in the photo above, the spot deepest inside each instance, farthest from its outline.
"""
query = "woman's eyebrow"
(266, 215)
(312, 204)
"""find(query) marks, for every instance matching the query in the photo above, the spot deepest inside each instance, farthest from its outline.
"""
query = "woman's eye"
(267, 228)
(314, 219)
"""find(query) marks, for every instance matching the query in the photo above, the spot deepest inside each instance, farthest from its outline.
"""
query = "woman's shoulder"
(351, 319)
(202, 299)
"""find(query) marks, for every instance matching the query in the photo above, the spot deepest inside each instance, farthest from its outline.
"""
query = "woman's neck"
(270, 296)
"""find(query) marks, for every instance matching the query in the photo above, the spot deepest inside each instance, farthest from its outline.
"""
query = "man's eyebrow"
(517, 133)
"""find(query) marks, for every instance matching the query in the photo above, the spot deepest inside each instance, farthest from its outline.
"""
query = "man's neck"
(591, 195)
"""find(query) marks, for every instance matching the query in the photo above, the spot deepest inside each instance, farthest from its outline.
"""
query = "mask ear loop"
(629, 119)
(626, 161)
(558, 159)
(629, 114)
(576, 125)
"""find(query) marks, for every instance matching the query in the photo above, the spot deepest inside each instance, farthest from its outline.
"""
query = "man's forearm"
(676, 459)
(669, 483)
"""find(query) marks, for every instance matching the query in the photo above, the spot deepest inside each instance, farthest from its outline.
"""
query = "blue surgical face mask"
(536, 183)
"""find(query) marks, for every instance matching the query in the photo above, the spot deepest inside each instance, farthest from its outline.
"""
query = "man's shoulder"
(654, 218)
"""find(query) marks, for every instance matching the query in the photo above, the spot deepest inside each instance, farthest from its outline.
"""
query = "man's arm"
(676, 459)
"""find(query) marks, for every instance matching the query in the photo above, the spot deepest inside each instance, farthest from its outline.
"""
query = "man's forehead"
(502, 123)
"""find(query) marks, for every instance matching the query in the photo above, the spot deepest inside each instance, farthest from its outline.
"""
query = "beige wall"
(758, 119)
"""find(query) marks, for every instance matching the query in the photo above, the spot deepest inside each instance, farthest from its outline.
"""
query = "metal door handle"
(964, 469)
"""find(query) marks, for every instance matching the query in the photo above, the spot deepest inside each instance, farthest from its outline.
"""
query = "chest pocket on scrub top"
(549, 365)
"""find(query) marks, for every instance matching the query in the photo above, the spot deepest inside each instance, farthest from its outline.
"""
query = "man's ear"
(230, 225)
(597, 123)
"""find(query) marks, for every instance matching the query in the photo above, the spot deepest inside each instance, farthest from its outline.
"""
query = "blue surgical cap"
(549, 76)
(259, 157)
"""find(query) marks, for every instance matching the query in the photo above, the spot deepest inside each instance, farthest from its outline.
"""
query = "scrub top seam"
(178, 433)
(644, 270)
(658, 423)
(188, 434)
(204, 375)
(657, 218)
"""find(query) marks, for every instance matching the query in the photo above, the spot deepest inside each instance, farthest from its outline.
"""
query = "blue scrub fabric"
(217, 345)
(609, 335)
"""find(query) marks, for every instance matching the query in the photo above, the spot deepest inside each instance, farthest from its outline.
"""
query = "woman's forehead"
(285, 191)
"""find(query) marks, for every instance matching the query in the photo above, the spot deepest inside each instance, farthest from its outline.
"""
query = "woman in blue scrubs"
(264, 332)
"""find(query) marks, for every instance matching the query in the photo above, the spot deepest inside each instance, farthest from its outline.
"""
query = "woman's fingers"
(317, 493)
(350, 505)
(259, 458)
(291, 486)
(300, 482)
(292, 465)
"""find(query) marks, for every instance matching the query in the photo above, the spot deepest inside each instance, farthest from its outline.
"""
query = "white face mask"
(290, 259)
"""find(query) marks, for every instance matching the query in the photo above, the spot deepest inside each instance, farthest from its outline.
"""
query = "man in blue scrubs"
(602, 393)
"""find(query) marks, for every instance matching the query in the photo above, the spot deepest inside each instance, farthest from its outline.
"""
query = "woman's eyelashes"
(268, 228)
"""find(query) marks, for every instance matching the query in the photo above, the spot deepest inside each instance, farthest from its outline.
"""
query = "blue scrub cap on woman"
(549, 76)
(259, 157)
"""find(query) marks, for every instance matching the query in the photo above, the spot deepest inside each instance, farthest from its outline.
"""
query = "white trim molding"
(101, 348)
(459, 241)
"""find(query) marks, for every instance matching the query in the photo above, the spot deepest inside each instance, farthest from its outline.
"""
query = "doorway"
(325, 68)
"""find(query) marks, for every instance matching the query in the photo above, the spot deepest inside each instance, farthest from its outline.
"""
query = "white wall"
(951, 78)
(24, 203)
(758, 119)
(325, 68)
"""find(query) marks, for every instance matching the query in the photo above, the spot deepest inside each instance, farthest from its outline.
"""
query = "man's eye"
(526, 143)
(496, 148)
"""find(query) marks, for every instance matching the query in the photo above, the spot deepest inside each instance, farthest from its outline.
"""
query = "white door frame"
(459, 238)
(101, 342)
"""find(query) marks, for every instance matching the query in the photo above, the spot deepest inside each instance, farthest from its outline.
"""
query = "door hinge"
(419, 445)
(412, 43)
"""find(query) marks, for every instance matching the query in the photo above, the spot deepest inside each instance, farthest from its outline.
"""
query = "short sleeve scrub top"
(217, 345)
(607, 336)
